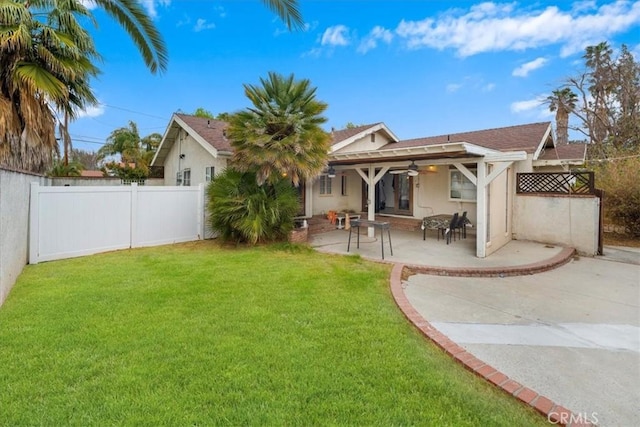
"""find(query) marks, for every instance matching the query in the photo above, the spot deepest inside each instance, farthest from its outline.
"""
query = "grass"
(196, 334)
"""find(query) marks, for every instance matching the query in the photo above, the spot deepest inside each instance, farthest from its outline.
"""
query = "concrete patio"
(410, 249)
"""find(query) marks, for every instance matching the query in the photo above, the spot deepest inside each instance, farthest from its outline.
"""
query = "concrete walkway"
(566, 341)
(571, 334)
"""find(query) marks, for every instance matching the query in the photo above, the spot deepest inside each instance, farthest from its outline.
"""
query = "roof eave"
(380, 126)
(558, 162)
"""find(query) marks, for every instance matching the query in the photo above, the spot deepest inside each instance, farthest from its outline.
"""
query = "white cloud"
(222, 13)
(335, 36)
(371, 41)
(492, 27)
(313, 53)
(488, 87)
(91, 111)
(202, 24)
(528, 105)
(453, 87)
(150, 5)
(525, 69)
(89, 4)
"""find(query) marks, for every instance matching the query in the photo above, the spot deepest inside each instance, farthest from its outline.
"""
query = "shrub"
(618, 177)
(243, 211)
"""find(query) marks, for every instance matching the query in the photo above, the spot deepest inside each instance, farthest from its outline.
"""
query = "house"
(192, 150)
(372, 171)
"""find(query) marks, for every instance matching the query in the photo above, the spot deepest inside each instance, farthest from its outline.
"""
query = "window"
(460, 188)
(373, 137)
(186, 177)
(178, 178)
(325, 184)
(343, 185)
(209, 173)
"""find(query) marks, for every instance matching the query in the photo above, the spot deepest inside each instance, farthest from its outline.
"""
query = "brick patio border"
(562, 257)
(554, 413)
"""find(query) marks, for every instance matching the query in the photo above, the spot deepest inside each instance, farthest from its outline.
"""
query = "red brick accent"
(526, 395)
(298, 235)
(543, 405)
(553, 412)
(559, 259)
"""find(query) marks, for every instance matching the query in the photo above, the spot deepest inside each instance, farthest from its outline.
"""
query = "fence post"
(34, 221)
(134, 215)
(201, 210)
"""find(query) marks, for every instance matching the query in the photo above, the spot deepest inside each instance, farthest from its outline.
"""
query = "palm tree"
(126, 143)
(46, 62)
(281, 134)
(563, 102)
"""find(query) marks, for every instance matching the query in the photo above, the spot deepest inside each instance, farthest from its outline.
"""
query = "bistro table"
(435, 222)
(382, 225)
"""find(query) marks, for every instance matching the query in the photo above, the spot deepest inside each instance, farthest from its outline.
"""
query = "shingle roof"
(212, 131)
(565, 152)
(513, 138)
(342, 134)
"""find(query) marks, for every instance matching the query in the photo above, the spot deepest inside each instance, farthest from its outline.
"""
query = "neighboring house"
(193, 149)
(91, 173)
(375, 172)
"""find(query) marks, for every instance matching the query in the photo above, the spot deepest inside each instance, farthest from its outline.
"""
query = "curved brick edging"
(555, 261)
(554, 413)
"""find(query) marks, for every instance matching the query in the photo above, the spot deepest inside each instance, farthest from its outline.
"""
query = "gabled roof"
(344, 137)
(209, 133)
(563, 154)
(343, 134)
(529, 138)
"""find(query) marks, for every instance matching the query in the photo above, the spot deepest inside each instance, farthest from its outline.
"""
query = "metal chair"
(461, 226)
(446, 232)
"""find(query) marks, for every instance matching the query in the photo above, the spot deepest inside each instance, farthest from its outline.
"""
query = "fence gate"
(67, 222)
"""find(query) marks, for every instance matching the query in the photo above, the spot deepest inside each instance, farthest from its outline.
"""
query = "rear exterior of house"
(473, 172)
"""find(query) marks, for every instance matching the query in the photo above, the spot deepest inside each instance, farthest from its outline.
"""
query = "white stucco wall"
(563, 220)
(336, 201)
(196, 158)
(14, 225)
(431, 195)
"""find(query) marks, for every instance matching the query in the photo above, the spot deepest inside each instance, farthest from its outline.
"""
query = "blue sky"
(421, 67)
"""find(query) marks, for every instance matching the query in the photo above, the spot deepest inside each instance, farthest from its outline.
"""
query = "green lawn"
(196, 334)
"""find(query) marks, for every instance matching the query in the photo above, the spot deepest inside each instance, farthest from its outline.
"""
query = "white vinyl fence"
(67, 222)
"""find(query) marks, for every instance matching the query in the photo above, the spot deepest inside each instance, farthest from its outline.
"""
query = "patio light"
(331, 173)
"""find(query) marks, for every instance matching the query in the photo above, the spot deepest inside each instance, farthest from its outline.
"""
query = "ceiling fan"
(411, 170)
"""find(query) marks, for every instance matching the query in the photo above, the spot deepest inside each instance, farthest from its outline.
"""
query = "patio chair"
(446, 232)
(461, 226)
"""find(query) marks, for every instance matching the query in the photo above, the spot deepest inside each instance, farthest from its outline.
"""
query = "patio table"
(382, 225)
(436, 222)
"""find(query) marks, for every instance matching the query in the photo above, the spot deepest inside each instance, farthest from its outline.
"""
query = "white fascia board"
(478, 150)
(344, 143)
(508, 156)
(163, 142)
(398, 152)
(208, 147)
(538, 151)
(557, 162)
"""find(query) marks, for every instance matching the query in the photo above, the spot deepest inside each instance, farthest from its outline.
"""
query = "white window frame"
(178, 178)
(343, 185)
(461, 184)
(186, 177)
(325, 185)
(209, 173)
